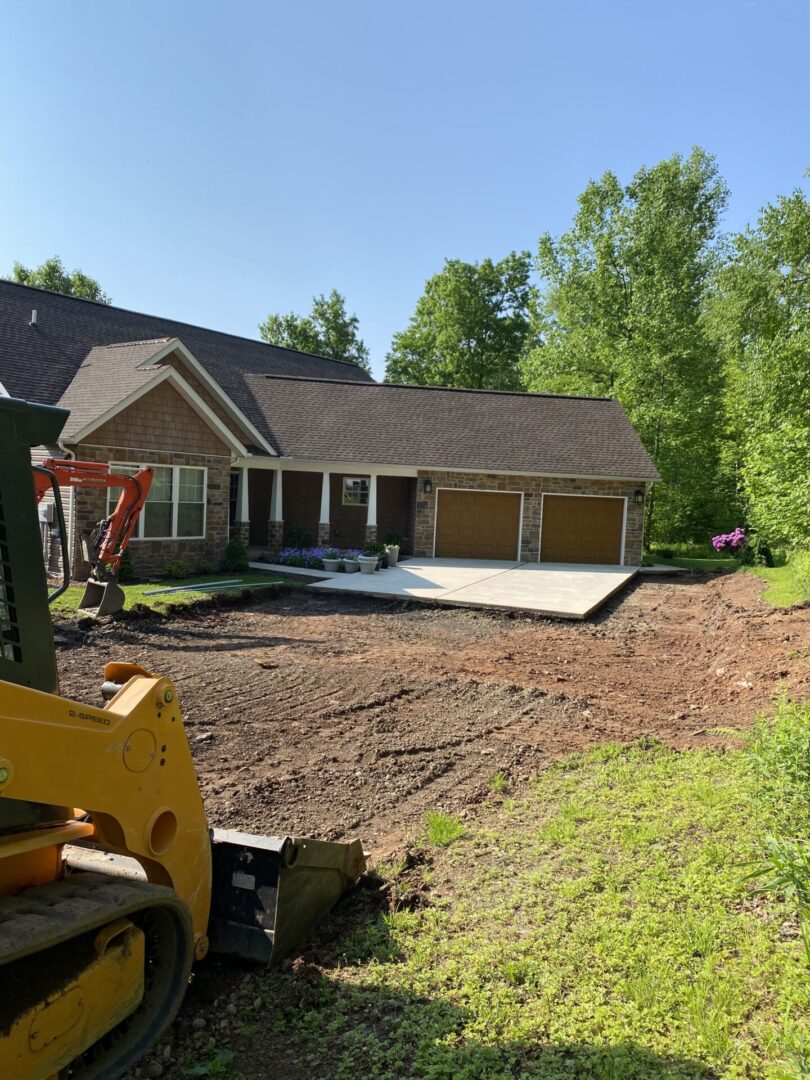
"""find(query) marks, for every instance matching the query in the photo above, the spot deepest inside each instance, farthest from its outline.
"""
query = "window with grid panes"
(175, 505)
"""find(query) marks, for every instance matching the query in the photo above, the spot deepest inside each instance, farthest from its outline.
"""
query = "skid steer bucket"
(269, 892)
(102, 597)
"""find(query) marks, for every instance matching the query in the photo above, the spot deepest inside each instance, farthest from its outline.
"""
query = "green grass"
(68, 602)
(701, 557)
(442, 829)
(599, 925)
(784, 588)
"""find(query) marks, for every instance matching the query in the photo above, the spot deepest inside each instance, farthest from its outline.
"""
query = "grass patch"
(442, 829)
(701, 557)
(499, 783)
(68, 602)
(599, 925)
(784, 587)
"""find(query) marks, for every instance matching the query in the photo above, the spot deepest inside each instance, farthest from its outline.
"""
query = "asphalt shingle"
(434, 427)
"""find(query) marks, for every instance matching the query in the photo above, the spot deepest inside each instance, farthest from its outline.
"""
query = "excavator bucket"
(269, 892)
(102, 597)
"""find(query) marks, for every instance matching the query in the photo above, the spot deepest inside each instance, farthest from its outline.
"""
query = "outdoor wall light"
(427, 487)
(638, 497)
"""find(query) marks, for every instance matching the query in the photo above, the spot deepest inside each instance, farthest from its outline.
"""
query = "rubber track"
(47, 915)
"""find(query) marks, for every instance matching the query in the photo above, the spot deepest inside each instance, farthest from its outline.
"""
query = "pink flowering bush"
(732, 542)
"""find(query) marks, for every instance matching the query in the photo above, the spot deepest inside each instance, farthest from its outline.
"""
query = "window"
(355, 491)
(175, 505)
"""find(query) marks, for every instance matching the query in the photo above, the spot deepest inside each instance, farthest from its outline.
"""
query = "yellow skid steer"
(111, 882)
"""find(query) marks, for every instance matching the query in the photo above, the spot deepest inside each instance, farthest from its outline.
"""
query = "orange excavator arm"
(108, 541)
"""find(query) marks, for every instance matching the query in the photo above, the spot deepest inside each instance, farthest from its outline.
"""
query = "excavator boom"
(105, 544)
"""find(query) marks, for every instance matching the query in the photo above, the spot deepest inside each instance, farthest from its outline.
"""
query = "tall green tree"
(328, 330)
(761, 315)
(622, 315)
(469, 328)
(53, 276)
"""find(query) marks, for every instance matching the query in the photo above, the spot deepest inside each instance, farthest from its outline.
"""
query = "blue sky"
(214, 162)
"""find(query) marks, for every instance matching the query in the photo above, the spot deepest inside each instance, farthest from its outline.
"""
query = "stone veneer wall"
(532, 488)
(160, 428)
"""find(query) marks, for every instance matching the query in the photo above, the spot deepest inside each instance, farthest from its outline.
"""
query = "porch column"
(371, 515)
(324, 524)
(275, 526)
(241, 524)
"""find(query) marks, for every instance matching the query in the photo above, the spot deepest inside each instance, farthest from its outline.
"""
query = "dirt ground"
(345, 716)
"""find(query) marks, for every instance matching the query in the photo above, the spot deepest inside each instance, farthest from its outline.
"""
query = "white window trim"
(138, 533)
(355, 505)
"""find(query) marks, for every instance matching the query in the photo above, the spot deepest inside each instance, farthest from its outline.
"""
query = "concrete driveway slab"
(564, 591)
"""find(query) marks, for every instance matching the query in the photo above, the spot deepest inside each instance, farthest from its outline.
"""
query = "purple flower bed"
(311, 558)
(732, 542)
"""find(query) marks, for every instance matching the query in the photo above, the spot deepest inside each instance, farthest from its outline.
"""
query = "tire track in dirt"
(328, 716)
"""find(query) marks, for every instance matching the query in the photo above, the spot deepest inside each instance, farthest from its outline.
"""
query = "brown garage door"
(581, 529)
(477, 525)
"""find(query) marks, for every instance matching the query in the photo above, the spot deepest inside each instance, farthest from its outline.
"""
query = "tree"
(469, 328)
(53, 276)
(622, 316)
(761, 316)
(328, 331)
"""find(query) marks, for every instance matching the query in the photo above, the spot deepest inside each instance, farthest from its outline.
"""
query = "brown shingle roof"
(39, 362)
(107, 375)
(434, 427)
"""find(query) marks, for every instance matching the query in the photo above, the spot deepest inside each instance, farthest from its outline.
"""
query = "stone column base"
(275, 535)
(324, 533)
(371, 534)
(242, 530)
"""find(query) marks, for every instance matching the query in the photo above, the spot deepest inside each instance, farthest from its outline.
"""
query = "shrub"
(126, 571)
(178, 569)
(235, 558)
(203, 568)
(298, 536)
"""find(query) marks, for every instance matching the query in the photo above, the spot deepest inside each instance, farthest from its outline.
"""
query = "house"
(276, 445)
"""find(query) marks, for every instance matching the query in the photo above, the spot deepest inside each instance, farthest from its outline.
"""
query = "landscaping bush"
(748, 550)
(178, 569)
(126, 571)
(235, 559)
(298, 536)
(203, 568)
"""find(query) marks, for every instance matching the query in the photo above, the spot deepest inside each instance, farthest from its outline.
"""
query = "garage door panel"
(477, 524)
(581, 529)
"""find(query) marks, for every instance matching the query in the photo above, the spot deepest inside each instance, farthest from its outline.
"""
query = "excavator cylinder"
(102, 598)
